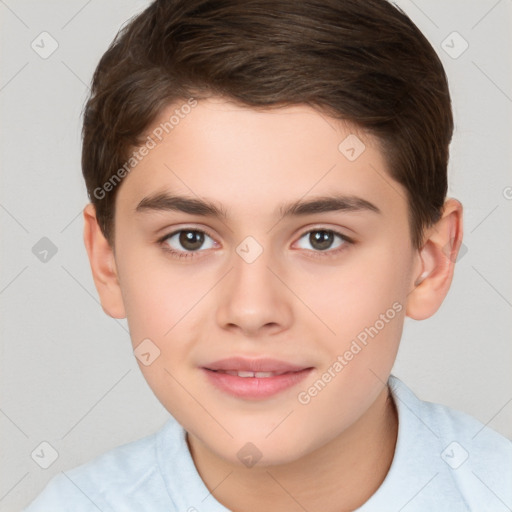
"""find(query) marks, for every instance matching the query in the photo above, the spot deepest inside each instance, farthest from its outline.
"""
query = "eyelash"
(320, 254)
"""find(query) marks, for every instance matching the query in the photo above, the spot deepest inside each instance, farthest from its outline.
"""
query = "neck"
(340, 476)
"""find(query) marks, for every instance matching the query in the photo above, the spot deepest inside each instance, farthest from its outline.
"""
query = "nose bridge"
(251, 275)
(253, 297)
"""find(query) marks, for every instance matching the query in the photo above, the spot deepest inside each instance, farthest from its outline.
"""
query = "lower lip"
(255, 387)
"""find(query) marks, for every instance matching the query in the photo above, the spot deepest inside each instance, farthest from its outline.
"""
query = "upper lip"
(254, 365)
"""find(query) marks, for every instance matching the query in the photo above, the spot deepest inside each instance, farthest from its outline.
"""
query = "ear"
(437, 263)
(103, 265)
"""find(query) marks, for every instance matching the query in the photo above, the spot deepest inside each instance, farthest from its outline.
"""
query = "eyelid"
(328, 252)
(322, 227)
(176, 230)
(183, 254)
(331, 252)
(319, 227)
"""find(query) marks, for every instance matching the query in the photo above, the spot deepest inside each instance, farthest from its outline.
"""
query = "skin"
(295, 302)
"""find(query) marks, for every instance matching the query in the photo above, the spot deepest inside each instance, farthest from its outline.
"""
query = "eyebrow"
(192, 206)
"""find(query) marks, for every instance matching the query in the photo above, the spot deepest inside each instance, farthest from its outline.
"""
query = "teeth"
(264, 374)
(245, 374)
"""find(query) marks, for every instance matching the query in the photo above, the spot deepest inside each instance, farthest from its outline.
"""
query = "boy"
(268, 203)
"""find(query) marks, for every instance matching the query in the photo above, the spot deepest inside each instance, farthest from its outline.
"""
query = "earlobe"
(103, 266)
(437, 257)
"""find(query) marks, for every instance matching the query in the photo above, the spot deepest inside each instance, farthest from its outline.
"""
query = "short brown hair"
(361, 61)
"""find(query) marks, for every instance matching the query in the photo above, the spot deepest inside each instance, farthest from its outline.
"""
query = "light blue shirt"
(444, 460)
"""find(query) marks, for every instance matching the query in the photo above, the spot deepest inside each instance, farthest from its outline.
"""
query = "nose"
(254, 301)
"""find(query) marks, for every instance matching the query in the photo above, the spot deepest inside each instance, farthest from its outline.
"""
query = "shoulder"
(474, 460)
(119, 475)
(449, 424)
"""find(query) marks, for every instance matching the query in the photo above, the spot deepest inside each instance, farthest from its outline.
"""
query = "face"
(272, 313)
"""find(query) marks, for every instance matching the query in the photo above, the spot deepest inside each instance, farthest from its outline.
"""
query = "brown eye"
(321, 240)
(324, 240)
(186, 241)
(191, 240)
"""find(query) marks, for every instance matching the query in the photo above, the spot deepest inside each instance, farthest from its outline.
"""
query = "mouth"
(254, 379)
(246, 374)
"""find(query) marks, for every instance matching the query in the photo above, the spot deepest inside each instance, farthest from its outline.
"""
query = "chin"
(250, 445)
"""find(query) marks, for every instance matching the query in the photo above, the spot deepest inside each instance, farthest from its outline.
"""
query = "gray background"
(68, 376)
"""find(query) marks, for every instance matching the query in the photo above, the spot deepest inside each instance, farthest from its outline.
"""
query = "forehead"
(246, 159)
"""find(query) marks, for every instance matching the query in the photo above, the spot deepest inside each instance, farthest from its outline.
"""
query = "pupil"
(191, 240)
(321, 239)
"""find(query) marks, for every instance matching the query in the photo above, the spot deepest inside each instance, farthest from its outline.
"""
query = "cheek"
(354, 296)
(364, 306)
(157, 294)
(146, 313)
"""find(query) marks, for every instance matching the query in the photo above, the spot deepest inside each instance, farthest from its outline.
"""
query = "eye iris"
(191, 240)
(321, 240)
